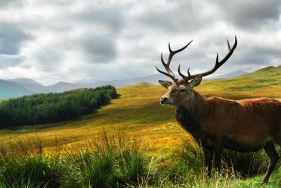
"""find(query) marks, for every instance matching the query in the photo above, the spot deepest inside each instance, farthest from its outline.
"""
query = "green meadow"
(132, 142)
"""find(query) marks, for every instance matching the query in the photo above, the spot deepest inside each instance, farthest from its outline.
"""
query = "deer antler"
(169, 72)
(217, 64)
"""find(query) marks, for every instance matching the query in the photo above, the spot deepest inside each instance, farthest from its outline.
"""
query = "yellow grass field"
(138, 114)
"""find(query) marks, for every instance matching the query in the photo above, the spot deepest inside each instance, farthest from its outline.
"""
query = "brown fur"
(250, 122)
(243, 125)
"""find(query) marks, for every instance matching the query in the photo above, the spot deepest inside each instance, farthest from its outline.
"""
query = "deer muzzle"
(164, 100)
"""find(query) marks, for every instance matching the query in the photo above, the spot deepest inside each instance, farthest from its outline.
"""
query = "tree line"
(54, 107)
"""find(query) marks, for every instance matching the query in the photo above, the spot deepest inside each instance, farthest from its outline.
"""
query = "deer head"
(180, 91)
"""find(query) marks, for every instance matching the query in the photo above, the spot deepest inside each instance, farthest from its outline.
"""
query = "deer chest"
(188, 122)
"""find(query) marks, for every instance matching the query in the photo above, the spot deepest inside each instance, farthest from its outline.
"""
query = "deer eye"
(173, 91)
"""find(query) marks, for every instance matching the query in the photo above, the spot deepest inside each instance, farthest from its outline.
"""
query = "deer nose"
(163, 100)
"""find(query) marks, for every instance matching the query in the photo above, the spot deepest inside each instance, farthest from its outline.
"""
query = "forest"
(54, 107)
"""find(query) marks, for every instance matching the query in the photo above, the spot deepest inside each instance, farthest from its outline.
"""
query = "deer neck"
(190, 115)
(196, 105)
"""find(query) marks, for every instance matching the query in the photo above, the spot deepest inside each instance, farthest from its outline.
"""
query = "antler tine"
(178, 50)
(169, 72)
(182, 75)
(167, 66)
(162, 72)
(188, 71)
(218, 63)
(173, 52)
(231, 50)
(179, 71)
(228, 45)
(169, 46)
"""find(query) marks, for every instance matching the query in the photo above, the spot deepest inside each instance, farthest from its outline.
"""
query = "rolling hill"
(63, 86)
(24, 81)
(29, 84)
(11, 90)
(153, 79)
(24, 86)
(136, 117)
(34, 87)
(263, 82)
(137, 112)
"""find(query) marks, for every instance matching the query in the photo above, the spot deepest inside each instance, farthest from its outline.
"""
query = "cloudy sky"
(88, 41)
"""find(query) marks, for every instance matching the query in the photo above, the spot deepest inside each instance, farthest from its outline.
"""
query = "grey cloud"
(250, 14)
(98, 31)
(47, 59)
(99, 46)
(192, 58)
(269, 51)
(9, 3)
(126, 39)
(247, 57)
(110, 16)
(9, 61)
(176, 16)
(98, 49)
(257, 56)
(11, 38)
(200, 57)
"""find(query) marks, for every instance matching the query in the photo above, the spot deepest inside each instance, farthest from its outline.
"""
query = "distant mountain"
(30, 85)
(10, 89)
(64, 86)
(25, 81)
(153, 79)
(36, 87)
(23, 86)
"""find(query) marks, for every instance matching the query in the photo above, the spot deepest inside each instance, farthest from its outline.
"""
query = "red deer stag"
(244, 125)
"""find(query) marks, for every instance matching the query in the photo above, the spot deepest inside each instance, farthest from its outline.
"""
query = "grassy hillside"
(265, 82)
(135, 112)
(138, 113)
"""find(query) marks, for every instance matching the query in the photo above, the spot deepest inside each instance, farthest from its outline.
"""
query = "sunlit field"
(138, 115)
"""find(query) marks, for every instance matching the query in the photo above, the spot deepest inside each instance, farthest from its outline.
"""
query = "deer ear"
(195, 82)
(165, 84)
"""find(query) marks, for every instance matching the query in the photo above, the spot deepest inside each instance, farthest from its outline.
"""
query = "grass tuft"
(33, 171)
(108, 161)
(115, 160)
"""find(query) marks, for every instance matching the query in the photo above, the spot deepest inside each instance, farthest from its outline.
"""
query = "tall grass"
(186, 167)
(111, 161)
(114, 160)
(33, 171)
(108, 162)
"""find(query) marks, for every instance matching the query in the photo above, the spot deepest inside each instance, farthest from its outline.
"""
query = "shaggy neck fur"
(189, 117)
